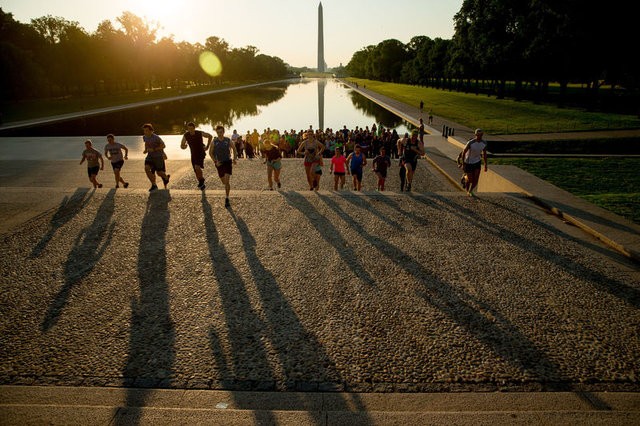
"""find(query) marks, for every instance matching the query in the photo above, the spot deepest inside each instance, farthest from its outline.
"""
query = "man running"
(223, 153)
(412, 151)
(154, 163)
(95, 163)
(194, 138)
(113, 152)
(472, 156)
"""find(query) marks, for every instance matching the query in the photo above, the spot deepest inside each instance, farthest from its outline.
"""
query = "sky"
(287, 29)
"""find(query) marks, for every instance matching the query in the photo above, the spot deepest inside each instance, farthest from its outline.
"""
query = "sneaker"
(99, 185)
(153, 187)
(126, 184)
(279, 185)
(117, 186)
(408, 187)
(200, 185)
(226, 202)
(166, 181)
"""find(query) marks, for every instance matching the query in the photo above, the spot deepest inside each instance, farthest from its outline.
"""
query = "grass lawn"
(503, 116)
(611, 183)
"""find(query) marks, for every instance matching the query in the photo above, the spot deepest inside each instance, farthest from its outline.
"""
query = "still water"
(320, 103)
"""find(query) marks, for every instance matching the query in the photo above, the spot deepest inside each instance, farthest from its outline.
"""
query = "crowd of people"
(370, 140)
(345, 150)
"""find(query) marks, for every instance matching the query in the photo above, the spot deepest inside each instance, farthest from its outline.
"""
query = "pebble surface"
(298, 290)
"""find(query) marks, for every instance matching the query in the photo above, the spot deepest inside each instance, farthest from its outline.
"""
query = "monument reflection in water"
(298, 104)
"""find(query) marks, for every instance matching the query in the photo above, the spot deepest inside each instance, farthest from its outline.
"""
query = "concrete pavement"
(121, 307)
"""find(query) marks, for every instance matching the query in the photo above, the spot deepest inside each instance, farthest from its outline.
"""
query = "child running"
(95, 163)
(357, 161)
(338, 163)
(380, 165)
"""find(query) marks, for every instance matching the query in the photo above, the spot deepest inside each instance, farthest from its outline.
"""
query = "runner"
(357, 161)
(274, 165)
(474, 152)
(338, 163)
(154, 163)
(95, 163)
(312, 150)
(194, 138)
(380, 165)
(412, 151)
(113, 152)
(223, 153)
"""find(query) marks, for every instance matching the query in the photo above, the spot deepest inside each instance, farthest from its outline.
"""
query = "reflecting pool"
(297, 104)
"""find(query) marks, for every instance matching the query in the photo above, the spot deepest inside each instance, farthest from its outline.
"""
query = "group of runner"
(223, 151)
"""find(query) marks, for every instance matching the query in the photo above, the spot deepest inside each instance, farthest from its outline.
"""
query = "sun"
(160, 11)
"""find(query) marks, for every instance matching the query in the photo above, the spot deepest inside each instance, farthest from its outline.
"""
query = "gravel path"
(295, 290)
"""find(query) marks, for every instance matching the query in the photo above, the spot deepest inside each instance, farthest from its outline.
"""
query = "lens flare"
(210, 63)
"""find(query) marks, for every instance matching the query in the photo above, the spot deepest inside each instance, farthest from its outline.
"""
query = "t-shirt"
(153, 141)
(381, 163)
(339, 164)
(222, 149)
(196, 144)
(272, 154)
(115, 151)
(92, 157)
(357, 161)
(474, 152)
(409, 153)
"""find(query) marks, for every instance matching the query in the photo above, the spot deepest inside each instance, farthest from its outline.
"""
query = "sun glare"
(160, 11)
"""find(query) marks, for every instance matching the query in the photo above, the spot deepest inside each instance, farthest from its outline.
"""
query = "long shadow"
(298, 350)
(504, 339)
(614, 287)
(363, 201)
(247, 332)
(608, 252)
(152, 336)
(67, 210)
(87, 250)
(331, 234)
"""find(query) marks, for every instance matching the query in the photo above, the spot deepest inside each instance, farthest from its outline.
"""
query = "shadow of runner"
(330, 233)
(246, 331)
(87, 250)
(152, 335)
(67, 210)
(299, 352)
(616, 288)
(502, 337)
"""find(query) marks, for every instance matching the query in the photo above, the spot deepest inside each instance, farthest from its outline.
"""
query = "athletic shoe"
(99, 185)
(117, 186)
(279, 185)
(166, 181)
(226, 202)
(408, 187)
(126, 184)
(200, 185)
(153, 187)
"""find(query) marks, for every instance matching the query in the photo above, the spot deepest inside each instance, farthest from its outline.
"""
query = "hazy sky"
(283, 28)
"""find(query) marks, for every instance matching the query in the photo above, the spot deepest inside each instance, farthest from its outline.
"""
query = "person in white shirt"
(472, 156)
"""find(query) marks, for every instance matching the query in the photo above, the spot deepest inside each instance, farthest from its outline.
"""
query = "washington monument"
(321, 65)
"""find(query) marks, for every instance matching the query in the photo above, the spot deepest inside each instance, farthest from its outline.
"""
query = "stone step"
(75, 405)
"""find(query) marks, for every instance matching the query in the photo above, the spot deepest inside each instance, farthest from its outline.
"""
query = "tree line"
(51, 57)
(536, 49)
